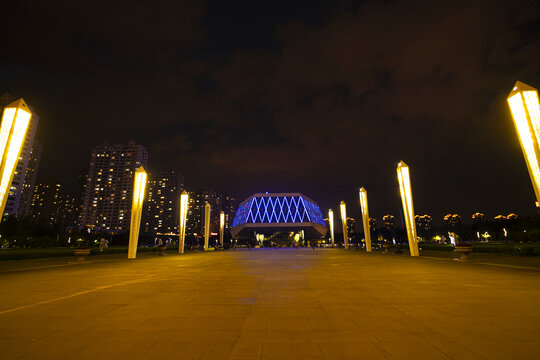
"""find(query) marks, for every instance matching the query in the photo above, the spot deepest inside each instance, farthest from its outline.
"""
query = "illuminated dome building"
(265, 213)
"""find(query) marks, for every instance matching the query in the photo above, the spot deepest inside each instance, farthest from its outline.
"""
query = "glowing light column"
(523, 102)
(365, 217)
(221, 227)
(408, 209)
(343, 210)
(183, 216)
(206, 225)
(139, 185)
(15, 121)
(331, 223)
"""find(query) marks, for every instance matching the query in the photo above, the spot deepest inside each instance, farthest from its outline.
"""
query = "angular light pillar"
(343, 210)
(206, 225)
(523, 102)
(15, 121)
(221, 227)
(408, 209)
(183, 216)
(139, 185)
(331, 223)
(365, 217)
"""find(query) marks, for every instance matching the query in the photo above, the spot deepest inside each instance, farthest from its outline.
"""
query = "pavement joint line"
(84, 292)
(486, 263)
(35, 268)
(74, 263)
(509, 266)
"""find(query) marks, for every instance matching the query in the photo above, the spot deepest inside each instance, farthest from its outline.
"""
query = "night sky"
(318, 97)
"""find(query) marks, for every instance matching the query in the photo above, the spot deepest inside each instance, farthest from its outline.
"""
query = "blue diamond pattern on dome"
(278, 209)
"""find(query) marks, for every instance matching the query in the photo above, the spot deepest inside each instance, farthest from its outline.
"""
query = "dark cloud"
(320, 96)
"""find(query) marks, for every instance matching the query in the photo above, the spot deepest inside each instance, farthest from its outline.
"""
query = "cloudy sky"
(319, 97)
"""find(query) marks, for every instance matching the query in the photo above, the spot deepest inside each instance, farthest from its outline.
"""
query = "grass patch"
(438, 247)
(523, 249)
(519, 249)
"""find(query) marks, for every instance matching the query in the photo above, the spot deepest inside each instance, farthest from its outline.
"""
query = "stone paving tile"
(51, 350)
(342, 336)
(259, 336)
(249, 350)
(519, 350)
(410, 350)
(350, 351)
(289, 323)
(15, 349)
(218, 350)
(279, 350)
(271, 304)
(463, 350)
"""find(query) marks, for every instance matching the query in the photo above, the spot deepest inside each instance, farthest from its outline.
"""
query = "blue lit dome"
(274, 212)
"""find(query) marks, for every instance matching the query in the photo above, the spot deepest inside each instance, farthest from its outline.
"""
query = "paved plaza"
(269, 304)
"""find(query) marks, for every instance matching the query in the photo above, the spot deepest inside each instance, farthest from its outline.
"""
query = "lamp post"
(331, 224)
(207, 210)
(15, 121)
(221, 227)
(343, 210)
(139, 185)
(184, 197)
(408, 209)
(523, 102)
(365, 218)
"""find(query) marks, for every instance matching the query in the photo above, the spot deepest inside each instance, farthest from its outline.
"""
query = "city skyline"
(253, 98)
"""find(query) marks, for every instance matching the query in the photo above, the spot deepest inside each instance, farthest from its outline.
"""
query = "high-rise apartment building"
(69, 211)
(109, 186)
(161, 212)
(229, 206)
(195, 214)
(351, 228)
(46, 203)
(51, 205)
(22, 185)
(218, 202)
(30, 179)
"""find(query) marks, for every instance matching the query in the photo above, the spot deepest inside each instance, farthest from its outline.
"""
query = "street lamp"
(183, 216)
(207, 210)
(365, 217)
(139, 185)
(523, 102)
(221, 227)
(15, 121)
(331, 224)
(408, 209)
(343, 211)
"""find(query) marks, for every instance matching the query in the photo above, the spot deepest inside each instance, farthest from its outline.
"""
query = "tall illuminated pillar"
(206, 225)
(15, 121)
(139, 185)
(523, 102)
(331, 224)
(183, 216)
(408, 209)
(343, 210)
(221, 227)
(365, 217)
